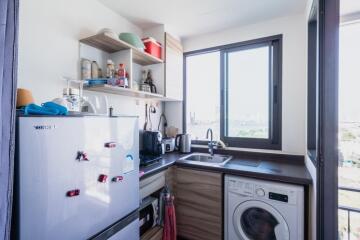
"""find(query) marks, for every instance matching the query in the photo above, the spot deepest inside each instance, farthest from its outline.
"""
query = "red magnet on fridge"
(82, 156)
(73, 193)
(117, 178)
(110, 144)
(102, 178)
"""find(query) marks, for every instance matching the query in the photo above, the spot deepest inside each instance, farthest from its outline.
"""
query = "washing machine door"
(257, 220)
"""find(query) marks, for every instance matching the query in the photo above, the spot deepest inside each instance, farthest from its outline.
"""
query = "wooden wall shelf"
(127, 92)
(107, 43)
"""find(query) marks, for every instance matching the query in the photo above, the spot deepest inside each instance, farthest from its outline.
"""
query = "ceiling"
(193, 17)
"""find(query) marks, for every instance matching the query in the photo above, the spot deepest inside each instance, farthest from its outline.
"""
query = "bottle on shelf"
(85, 69)
(127, 80)
(94, 70)
(117, 76)
(150, 82)
(110, 69)
(122, 71)
(122, 76)
(144, 86)
(116, 72)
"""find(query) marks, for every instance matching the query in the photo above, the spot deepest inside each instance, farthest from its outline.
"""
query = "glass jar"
(72, 98)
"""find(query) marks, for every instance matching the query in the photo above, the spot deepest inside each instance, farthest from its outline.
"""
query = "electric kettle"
(183, 143)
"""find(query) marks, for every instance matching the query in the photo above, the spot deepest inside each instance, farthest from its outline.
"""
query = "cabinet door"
(173, 68)
(198, 203)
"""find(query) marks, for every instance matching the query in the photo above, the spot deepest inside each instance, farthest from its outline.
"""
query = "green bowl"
(132, 39)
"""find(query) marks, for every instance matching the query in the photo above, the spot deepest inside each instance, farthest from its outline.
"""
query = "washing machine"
(263, 210)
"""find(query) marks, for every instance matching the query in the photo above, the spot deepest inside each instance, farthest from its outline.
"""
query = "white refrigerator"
(77, 178)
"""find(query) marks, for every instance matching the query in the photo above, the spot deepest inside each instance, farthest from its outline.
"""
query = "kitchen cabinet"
(155, 233)
(103, 46)
(152, 184)
(170, 178)
(167, 73)
(109, 44)
(198, 202)
(173, 68)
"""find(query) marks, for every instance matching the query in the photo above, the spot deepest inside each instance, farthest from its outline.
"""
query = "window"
(203, 95)
(235, 90)
(313, 85)
(248, 81)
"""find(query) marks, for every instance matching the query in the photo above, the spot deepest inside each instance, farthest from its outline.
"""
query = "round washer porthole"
(256, 220)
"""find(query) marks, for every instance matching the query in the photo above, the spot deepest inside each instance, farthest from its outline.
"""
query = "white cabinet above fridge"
(173, 68)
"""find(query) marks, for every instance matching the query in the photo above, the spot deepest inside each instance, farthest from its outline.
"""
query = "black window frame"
(313, 94)
(275, 104)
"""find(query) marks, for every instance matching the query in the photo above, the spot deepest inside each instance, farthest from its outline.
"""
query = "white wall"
(49, 46)
(294, 69)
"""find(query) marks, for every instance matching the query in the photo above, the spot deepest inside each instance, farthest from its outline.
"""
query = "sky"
(203, 73)
(349, 73)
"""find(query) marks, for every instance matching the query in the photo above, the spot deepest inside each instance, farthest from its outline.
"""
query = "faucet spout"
(211, 134)
(211, 142)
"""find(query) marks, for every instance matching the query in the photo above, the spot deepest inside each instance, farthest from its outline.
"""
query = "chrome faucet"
(211, 144)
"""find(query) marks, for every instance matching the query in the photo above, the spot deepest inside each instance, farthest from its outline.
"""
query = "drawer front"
(199, 204)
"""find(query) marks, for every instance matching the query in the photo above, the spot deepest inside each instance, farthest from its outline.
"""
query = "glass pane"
(349, 198)
(354, 226)
(349, 113)
(248, 93)
(349, 225)
(203, 95)
(343, 224)
(349, 132)
(259, 224)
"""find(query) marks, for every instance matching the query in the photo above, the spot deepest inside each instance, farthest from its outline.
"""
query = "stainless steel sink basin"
(206, 159)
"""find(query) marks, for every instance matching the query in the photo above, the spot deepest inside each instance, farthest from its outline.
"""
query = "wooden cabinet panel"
(198, 204)
(170, 178)
(153, 234)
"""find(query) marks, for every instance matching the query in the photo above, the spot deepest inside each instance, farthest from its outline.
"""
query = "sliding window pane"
(203, 95)
(248, 93)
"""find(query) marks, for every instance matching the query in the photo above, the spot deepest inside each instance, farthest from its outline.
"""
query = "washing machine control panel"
(242, 188)
(262, 191)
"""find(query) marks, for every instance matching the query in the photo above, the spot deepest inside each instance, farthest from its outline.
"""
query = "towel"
(169, 230)
(62, 110)
(48, 108)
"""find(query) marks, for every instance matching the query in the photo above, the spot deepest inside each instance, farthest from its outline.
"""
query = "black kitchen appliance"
(148, 217)
(151, 147)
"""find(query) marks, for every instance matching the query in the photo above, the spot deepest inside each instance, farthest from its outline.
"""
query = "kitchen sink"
(206, 159)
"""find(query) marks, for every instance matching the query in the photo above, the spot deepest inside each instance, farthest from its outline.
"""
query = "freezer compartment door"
(125, 229)
(129, 232)
(76, 175)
